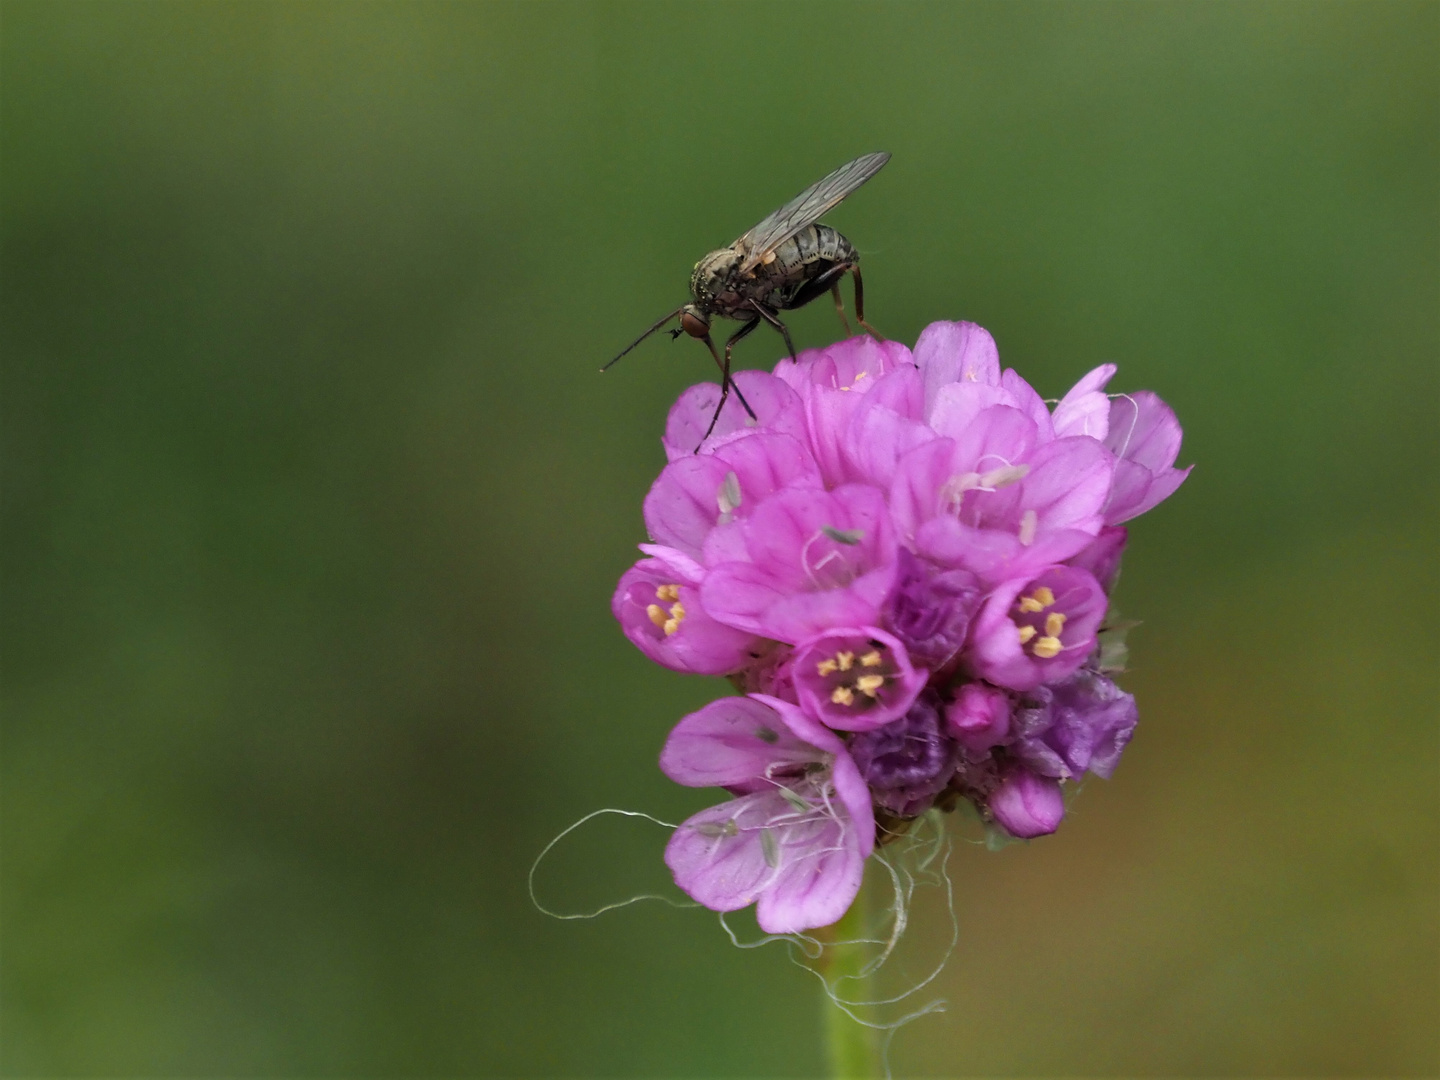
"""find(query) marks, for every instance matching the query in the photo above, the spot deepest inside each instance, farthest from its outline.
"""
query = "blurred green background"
(314, 501)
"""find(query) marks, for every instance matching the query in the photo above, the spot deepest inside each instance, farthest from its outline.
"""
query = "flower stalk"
(852, 1048)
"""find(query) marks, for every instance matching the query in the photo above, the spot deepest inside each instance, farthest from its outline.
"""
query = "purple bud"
(979, 718)
(1026, 805)
(907, 762)
(930, 608)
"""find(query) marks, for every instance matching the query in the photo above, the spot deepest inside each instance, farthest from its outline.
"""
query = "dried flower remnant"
(904, 561)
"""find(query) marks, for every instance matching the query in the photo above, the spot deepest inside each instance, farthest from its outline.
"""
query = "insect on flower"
(783, 263)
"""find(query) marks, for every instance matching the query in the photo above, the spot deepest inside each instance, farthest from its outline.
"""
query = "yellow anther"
(1054, 623)
(657, 614)
(1029, 603)
(871, 659)
(1047, 647)
(825, 667)
(842, 695)
(1044, 595)
(846, 660)
(677, 616)
(668, 593)
(1026, 633)
(869, 685)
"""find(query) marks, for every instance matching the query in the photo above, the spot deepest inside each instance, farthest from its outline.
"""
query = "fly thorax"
(713, 274)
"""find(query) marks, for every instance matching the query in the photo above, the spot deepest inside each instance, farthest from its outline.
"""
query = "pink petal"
(730, 741)
(950, 352)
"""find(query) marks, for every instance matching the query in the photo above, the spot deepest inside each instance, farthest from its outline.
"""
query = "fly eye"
(694, 325)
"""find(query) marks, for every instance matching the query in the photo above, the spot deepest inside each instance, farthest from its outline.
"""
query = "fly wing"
(806, 209)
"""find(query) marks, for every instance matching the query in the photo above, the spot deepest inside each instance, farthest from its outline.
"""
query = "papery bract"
(908, 761)
(1081, 723)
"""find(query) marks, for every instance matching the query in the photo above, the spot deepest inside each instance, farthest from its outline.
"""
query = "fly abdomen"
(812, 244)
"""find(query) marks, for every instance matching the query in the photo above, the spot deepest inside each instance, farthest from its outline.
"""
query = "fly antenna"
(643, 336)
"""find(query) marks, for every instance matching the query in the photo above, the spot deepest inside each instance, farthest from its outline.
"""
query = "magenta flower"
(854, 679)
(1037, 630)
(812, 560)
(698, 493)
(903, 560)
(657, 604)
(796, 841)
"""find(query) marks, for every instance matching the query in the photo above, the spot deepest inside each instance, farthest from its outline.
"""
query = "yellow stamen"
(1026, 633)
(1047, 647)
(656, 613)
(846, 660)
(871, 659)
(869, 685)
(1054, 623)
(669, 593)
(677, 616)
(825, 667)
(842, 695)
(1044, 595)
(1029, 603)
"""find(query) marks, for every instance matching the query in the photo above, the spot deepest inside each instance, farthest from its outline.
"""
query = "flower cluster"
(903, 562)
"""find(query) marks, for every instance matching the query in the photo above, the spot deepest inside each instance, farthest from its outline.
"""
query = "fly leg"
(840, 307)
(729, 383)
(726, 382)
(774, 320)
(860, 304)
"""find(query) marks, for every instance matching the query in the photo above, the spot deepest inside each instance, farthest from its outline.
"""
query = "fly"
(783, 263)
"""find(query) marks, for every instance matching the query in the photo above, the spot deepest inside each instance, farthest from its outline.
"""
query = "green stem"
(852, 1049)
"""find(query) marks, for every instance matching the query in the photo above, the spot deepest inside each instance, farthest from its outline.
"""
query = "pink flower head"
(1037, 630)
(812, 560)
(796, 843)
(854, 679)
(903, 558)
(657, 604)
